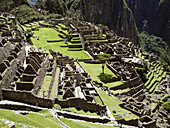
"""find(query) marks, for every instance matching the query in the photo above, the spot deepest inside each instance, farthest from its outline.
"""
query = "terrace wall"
(80, 104)
(128, 84)
(27, 97)
(83, 117)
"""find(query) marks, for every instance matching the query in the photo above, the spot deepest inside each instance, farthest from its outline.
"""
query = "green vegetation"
(33, 119)
(45, 86)
(80, 124)
(102, 57)
(26, 14)
(74, 110)
(165, 101)
(143, 71)
(98, 100)
(50, 34)
(28, 34)
(120, 91)
(156, 45)
(113, 104)
(166, 67)
(106, 78)
(40, 4)
(166, 105)
(95, 69)
(154, 77)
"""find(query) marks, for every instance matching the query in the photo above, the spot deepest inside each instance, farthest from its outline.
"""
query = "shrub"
(143, 71)
(106, 78)
(166, 106)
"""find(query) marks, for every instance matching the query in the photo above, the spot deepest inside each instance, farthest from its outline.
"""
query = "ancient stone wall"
(10, 72)
(27, 97)
(83, 117)
(5, 51)
(80, 104)
(128, 84)
(41, 76)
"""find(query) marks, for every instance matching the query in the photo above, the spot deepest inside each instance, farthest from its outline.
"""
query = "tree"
(40, 4)
(102, 58)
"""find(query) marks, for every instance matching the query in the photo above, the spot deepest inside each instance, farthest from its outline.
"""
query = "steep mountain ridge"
(156, 12)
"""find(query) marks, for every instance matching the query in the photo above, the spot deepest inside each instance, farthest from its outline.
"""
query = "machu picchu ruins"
(50, 68)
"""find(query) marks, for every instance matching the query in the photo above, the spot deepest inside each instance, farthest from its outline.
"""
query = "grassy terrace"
(33, 119)
(60, 28)
(95, 69)
(82, 124)
(50, 34)
(154, 77)
(74, 110)
(113, 104)
(120, 91)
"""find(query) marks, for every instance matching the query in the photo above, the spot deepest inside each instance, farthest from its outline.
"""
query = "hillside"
(156, 12)
(81, 64)
(8, 5)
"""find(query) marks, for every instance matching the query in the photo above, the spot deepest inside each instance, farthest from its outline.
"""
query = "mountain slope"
(156, 12)
(8, 5)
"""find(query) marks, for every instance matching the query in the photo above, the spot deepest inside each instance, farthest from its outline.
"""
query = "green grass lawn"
(95, 69)
(50, 34)
(120, 91)
(74, 110)
(45, 86)
(82, 124)
(33, 119)
(55, 83)
(113, 104)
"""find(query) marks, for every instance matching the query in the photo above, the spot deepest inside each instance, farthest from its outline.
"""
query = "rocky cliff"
(156, 12)
(163, 24)
(113, 13)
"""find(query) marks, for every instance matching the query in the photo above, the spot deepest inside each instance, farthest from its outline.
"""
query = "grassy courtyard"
(45, 34)
(113, 104)
(95, 69)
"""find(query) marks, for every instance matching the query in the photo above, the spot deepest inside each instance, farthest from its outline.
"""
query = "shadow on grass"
(105, 78)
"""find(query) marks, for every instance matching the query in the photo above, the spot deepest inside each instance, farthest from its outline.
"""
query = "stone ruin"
(123, 63)
(22, 72)
(75, 88)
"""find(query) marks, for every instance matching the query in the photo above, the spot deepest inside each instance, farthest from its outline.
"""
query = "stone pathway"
(88, 54)
(54, 113)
